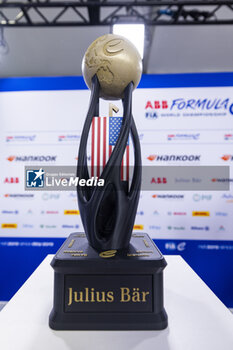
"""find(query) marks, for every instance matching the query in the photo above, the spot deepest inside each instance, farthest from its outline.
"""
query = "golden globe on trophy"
(107, 277)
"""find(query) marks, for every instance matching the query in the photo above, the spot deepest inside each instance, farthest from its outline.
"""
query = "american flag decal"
(104, 135)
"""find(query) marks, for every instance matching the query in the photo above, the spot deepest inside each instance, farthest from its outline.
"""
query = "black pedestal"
(111, 290)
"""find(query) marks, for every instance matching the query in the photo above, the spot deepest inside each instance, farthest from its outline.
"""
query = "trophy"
(109, 278)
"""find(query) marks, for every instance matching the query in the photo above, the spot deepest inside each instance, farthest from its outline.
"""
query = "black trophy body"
(108, 212)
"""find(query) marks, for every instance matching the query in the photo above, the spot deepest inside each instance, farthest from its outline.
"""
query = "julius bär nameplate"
(94, 289)
(104, 293)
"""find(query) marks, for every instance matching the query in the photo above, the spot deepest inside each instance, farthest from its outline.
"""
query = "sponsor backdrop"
(182, 120)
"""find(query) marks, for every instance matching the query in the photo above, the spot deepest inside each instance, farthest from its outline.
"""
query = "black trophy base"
(110, 290)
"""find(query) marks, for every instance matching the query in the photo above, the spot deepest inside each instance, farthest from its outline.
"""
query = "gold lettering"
(144, 294)
(146, 243)
(138, 254)
(73, 251)
(92, 295)
(136, 295)
(79, 254)
(108, 253)
(110, 297)
(70, 296)
(87, 293)
(71, 243)
(80, 299)
(102, 299)
(144, 251)
(125, 296)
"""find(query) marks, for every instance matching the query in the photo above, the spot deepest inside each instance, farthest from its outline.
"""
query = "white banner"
(177, 126)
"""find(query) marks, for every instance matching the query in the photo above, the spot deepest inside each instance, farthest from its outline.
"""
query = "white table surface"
(197, 318)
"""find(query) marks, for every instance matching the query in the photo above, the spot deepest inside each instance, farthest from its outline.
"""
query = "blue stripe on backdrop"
(147, 81)
(19, 257)
(212, 261)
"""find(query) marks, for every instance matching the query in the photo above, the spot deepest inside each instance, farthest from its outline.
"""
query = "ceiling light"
(133, 32)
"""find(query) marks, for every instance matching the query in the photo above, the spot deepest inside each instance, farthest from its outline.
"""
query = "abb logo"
(11, 180)
(158, 180)
(156, 105)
